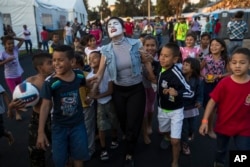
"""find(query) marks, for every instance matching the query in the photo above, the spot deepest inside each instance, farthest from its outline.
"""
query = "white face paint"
(114, 28)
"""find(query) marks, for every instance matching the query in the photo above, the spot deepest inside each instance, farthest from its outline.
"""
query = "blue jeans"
(69, 40)
(181, 43)
(45, 45)
(234, 45)
(28, 48)
(189, 126)
(241, 143)
(67, 142)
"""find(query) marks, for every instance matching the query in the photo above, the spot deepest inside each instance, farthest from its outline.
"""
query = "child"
(42, 62)
(204, 45)
(97, 33)
(191, 71)
(12, 68)
(150, 45)
(78, 46)
(231, 97)
(171, 88)
(55, 42)
(91, 45)
(215, 67)
(189, 50)
(106, 116)
(87, 104)
(4, 99)
(69, 136)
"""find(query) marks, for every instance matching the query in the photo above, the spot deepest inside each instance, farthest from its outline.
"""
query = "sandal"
(185, 149)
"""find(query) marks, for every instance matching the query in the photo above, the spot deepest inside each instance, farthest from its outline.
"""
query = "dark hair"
(96, 52)
(68, 50)
(224, 52)
(68, 23)
(239, 14)
(117, 18)
(142, 35)
(44, 28)
(87, 38)
(205, 34)
(79, 58)
(195, 66)
(191, 34)
(244, 51)
(149, 37)
(39, 58)
(174, 48)
(6, 38)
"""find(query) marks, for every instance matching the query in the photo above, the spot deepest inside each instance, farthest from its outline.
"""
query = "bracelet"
(204, 121)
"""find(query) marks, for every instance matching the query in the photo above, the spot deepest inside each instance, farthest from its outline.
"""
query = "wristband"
(204, 121)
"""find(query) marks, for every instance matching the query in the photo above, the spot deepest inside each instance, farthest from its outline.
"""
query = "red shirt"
(233, 113)
(45, 35)
(96, 33)
(217, 27)
(129, 28)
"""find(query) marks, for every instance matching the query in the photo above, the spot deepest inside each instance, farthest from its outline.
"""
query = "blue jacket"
(107, 51)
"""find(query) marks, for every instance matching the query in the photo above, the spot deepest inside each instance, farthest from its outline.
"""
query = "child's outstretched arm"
(204, 123)
(42, 141)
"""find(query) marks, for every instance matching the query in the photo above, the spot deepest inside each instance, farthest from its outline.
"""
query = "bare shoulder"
(36, 81)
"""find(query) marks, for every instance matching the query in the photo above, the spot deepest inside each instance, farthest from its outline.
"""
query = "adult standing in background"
(236, 31)
(129, 27)
(45, 38)
(27, 40)
(196, 28)
(9, 31)
(75, 27)
(68, 34)
(180, 31)
(158, 30)
(97, 33)
(217, 28)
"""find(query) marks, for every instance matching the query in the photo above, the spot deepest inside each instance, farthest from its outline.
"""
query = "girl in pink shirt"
(12, 68)
(189, 50)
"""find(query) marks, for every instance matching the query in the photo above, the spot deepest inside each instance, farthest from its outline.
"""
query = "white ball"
(26, 92)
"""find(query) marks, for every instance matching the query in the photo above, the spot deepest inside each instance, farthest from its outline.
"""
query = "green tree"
(124, 8)
(177, 6)
(164, 8)
(104, 9)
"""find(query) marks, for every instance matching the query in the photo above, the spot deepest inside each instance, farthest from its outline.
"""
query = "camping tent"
(75, 8)
(33, 13)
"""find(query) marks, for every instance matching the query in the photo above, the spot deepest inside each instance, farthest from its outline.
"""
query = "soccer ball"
(26, 92)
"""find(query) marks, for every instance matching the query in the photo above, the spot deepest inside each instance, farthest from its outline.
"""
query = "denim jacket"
(108, 52)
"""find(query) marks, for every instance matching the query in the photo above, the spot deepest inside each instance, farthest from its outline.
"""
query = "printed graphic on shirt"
(69, 103)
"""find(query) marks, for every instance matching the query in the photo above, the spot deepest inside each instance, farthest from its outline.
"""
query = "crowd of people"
(87, 89)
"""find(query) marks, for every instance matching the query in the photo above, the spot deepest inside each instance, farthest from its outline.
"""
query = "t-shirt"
(181, 31)
(68, 31)
(45, 35)
(189, 52)
(129, 28)
(233, 111)
(2, 104)
(103, 86)
(13, 68)
(26, 34)
(96, 33)
(67, 107)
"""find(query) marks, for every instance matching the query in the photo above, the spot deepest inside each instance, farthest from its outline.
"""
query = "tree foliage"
(124, 8)
(163, 8)
(177, 6)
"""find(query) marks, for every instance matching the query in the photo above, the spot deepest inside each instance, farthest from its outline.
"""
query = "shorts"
(13, 82)
(171, 122)
(106, 116)
(69, 142)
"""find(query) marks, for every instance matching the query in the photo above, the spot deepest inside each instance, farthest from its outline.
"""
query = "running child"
(191, 71)
(12, 68)
(69, 135)
(231, 97)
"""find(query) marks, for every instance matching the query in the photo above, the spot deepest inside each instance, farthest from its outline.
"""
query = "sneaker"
(104, 156)
(114, 145)
(185, 149)
(164, 143)
(129, 163)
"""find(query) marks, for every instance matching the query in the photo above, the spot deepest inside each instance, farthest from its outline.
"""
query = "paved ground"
(203, 148)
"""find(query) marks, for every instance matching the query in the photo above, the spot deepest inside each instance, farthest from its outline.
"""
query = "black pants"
(129, 104)
(28, 49)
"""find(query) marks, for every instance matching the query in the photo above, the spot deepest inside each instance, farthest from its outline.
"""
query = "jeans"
(45, 45)
(189, 126)
(181, 43)
(69, 142)
(159, 39)
(241, 143)
(69, 40)
(234, 45)
(28, 48)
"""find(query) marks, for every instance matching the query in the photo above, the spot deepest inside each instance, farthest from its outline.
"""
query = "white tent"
(75, 8)
(33, 13)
